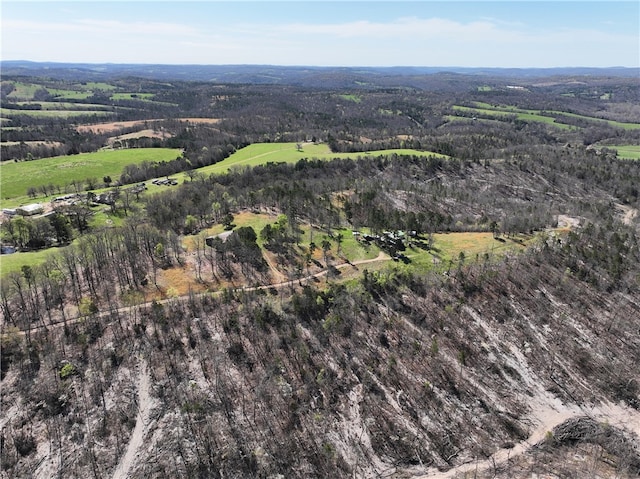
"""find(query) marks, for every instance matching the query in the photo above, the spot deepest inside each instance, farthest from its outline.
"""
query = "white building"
(30, 210)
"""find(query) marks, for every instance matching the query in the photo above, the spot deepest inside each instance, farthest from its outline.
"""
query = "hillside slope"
(513, 368)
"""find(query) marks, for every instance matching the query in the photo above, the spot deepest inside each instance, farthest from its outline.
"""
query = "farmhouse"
(30, 210)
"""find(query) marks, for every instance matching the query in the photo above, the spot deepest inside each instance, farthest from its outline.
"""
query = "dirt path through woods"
(547, 413)
(145, 403)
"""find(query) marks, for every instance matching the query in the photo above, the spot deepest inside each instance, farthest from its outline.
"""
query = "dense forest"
(336, 332)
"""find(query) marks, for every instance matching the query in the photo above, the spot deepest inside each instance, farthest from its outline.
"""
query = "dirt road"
(143, 423)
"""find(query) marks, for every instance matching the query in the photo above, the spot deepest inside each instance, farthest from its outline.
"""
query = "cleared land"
(542, 116)
(114, 126)
(148, 133)
(30, 143)
(524, 116)
(63, 105)
(53, 113)
(80, 91)
(16, 178)
(262, 153)
(630, 152)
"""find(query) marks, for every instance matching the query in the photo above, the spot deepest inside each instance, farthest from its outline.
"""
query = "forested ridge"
(309, 318)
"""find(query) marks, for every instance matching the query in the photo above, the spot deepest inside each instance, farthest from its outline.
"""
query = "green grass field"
(353, 98)
(262, 153)
(79, 91)
(542, 115)
(23, 91)
(61, 105)
(132, 96)
(15, 261)
(54, 113)
(630, 152)
(69, 94)
(520, 115)
(16, 178)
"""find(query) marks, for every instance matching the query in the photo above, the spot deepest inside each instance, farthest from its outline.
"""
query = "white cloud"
(138, 27)
(17, 27)
(400, 28)
(402, 41)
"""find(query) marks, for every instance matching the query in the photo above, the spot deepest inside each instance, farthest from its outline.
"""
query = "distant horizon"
(377, 34)
(301, 66)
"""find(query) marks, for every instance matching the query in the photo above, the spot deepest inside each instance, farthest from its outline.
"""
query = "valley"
(354, 275)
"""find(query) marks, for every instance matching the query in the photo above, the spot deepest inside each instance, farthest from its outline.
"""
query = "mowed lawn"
(16, 178)
(262, 153)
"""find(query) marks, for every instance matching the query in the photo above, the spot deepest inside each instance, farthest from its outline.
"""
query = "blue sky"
(324, 33)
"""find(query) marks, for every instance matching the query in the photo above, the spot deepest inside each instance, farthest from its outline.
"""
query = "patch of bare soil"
(209, 121)
(566, 221)
(148, 133)
(110, 126)
(114, 126)
(628, 213)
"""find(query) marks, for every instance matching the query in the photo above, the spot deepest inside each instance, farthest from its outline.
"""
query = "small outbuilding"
(30, 210)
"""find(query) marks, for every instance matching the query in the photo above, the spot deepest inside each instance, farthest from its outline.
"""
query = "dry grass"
(110, 127)
(178, 281)
(148, 133)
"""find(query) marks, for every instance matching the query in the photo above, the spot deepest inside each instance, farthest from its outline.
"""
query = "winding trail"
(104, 313)
(143, 423)
(547, 413)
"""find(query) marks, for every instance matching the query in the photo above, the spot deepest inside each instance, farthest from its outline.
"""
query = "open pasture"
(9, 112)
(262, 153)
(520, 115)
(62, 94)
(16, 178)
(62, 105)
(23, 91)
(145, 97)
(115, 126)
(78, 91)
(545, 116)
(629, 152)
(132, 96)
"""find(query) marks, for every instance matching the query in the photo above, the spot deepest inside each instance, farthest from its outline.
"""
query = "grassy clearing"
(449, 245)
(80, 91)
(353, 98)
(54, 113)
(69, 94)
(519, 114)
(61, 105)
(16, 178)
(466, 119)
(93, 86)
(262, 153)
(145, 97)
(23, 91)
(15, 261)
(544, 113)
(629, 152)
(132, 96)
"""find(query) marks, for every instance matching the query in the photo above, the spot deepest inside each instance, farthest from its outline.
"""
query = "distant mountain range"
(294, 75)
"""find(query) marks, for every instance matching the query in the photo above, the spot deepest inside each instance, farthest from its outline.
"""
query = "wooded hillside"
(453, 291)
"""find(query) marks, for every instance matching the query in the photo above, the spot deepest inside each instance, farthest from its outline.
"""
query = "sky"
(507, 34)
